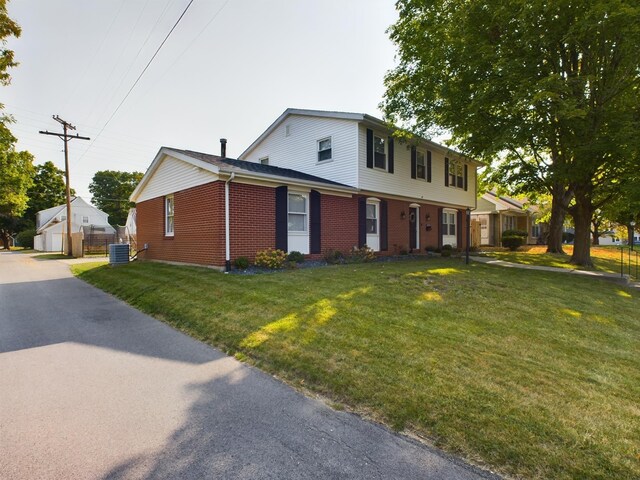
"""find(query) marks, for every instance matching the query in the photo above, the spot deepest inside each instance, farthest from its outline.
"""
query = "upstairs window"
(379, 153)
(297, 210)
(264, 161)
(168, 215)
(420, 165)
(85, 219)
(324, 149)
(456, 175)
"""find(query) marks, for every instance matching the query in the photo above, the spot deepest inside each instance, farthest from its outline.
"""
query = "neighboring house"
(314, 181)
(51, 224)
(495, 214)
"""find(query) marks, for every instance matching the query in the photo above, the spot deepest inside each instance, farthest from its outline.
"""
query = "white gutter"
(227, 248)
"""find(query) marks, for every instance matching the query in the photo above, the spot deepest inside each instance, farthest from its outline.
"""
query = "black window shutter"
(446, 172)
(362, 221)
(429, 166)
(384, 236)
(369, 148)
(414, 162)
(441, 227)
(391, 148)
(282, 232)
(465, 177)
(315, 221)
(459, 228)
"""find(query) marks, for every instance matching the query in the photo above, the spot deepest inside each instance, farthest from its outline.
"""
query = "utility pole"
(65, 137)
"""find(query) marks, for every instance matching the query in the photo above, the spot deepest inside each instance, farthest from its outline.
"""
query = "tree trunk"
(560, 199)
(5, 239)
(630, 234)
(595, 235)
(582, 212)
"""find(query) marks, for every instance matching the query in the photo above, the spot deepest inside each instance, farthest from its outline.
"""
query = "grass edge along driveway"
(533, 374)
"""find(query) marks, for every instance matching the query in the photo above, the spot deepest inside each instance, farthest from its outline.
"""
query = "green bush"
(25, 238)
(295, 257)
(446, 250)
(241, 263)
(333, 257)
(361, 255)
(513, 239)
(513, 242)
(271, 258)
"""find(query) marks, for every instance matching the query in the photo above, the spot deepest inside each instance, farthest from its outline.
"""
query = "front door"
(413, 238)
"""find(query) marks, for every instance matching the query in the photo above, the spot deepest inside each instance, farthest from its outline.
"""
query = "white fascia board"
(168, 152)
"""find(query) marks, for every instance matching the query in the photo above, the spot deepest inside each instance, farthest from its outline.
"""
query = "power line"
(139, 77)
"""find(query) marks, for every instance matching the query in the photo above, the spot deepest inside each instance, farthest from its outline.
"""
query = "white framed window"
(448, 223)
(297, 212)
(379, 152)
(535, 230)
(168, 215)
(324, 150)
(85, 219)
(264, 161)
(420, 165)
(456, 174)
(63, 218)
(372, 218)
(509, 223)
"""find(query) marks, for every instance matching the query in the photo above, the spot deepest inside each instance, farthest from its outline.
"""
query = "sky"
(229, 69)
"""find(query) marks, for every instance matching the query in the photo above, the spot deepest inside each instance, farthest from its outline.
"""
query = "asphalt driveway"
(92, 388)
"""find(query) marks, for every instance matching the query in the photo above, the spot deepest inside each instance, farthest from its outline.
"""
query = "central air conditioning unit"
(118, 253)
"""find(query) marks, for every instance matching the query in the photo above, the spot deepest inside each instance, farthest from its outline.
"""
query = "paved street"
(92, 388)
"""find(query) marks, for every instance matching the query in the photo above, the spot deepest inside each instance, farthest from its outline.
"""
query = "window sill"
(168, 236)
(322, 162)
(381, 169)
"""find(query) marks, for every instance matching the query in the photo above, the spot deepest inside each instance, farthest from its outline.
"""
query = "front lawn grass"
(534, 374)
(605, 259)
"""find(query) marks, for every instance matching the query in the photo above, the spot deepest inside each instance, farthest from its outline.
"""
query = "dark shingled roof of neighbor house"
(233, 165)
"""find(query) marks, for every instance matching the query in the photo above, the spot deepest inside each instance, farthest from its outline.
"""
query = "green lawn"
(534, 374)
(605, 259)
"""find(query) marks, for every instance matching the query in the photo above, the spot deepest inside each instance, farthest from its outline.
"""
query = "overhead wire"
(138, 79)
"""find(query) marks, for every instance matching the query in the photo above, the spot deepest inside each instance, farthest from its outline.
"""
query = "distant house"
(51, 224)
(314, 181)
(495, 214)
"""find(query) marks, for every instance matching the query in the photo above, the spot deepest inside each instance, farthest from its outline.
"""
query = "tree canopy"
(48, 190)
(550, 88)
(111, 190)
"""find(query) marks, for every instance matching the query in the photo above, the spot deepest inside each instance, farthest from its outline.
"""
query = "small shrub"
(512, 243)
(271, 258)
(446, 250)
(361, 255)
(25, 238)
(513, 239)
(241, 263)
(404, 252)
(333, 257)
(295, 257)
(291, 264)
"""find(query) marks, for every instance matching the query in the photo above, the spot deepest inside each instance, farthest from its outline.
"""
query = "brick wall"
(199, 224)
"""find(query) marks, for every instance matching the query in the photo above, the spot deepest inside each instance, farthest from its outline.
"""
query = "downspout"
(227, 262)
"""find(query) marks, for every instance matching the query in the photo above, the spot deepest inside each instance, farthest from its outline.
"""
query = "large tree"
(48, 190)
(550, 88)
(16, 178)
(111, 191)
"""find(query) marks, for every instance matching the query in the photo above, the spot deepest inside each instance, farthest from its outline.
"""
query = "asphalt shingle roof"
(240, 166)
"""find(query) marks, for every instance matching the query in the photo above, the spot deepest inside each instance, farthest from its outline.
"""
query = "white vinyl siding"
(374, 180)
(299, 150)
(173, 175)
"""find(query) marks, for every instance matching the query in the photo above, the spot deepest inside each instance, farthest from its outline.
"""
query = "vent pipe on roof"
(223, 147)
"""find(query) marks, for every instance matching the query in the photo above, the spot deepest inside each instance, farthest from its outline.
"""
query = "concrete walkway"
(613, 277)
(91, 388)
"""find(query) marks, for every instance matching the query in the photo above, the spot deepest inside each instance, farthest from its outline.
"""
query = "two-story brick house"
(313, 181)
